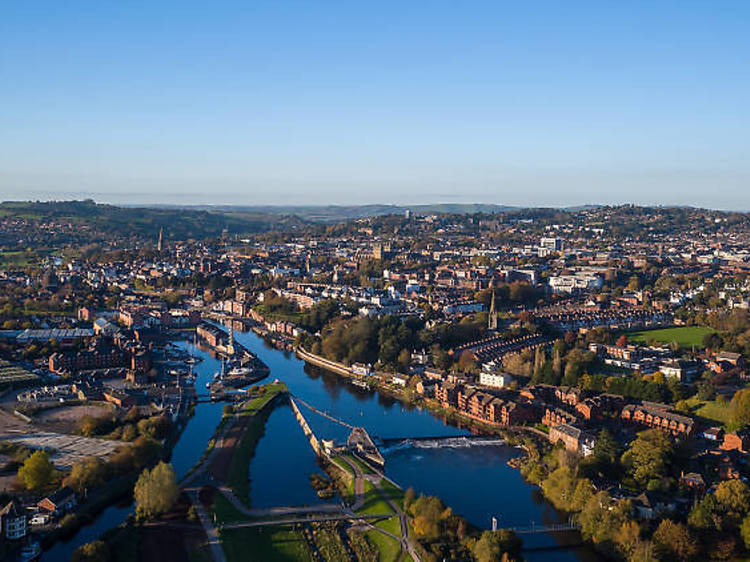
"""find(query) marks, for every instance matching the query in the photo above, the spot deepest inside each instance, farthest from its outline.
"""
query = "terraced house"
(652, 415)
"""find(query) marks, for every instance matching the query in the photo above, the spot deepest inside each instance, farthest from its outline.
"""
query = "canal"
(186, 452)
(475, 481)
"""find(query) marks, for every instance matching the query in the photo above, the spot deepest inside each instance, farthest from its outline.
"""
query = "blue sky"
(524, 103)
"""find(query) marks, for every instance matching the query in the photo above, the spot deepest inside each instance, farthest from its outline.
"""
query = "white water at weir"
(447, 443)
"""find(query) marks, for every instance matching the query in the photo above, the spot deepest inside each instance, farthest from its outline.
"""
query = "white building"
(495, 380)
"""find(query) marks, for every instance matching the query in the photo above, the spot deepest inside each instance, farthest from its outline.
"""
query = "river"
(474, 481)
(192, 442)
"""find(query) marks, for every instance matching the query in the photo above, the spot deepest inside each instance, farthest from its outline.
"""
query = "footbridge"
(551, 528)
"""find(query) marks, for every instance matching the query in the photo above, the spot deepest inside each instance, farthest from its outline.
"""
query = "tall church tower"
(492, 318)
(161, 240)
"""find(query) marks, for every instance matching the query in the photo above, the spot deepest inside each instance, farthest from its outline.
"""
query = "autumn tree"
(37, 471)
(674, 540)
(96, 551)
(156, 491)
(739, 409)
(492, 545)
(86, 474)
(734, 495)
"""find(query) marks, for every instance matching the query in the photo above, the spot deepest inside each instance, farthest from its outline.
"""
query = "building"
(99, 358)
(495, 380)
(13, 521)
(557, 416)
(680, 369)
(737, 441)
(657, 416)
(575, 439)
(61, 501)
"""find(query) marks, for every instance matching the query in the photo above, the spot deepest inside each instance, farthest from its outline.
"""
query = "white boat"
(240, 371)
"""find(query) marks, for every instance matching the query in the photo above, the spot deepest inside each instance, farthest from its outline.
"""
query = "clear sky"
(252, 102)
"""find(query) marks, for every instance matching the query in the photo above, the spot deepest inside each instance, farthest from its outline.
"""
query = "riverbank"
(523, 437)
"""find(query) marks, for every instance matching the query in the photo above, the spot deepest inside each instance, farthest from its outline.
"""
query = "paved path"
(312, 519)
(212, 534)
(280, 510)
(375, 479)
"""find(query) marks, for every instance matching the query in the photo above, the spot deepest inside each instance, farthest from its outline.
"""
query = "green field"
(265, 545)
(713, 410)
(685, 336)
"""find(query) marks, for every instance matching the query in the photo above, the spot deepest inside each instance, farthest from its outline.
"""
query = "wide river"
(474, 480)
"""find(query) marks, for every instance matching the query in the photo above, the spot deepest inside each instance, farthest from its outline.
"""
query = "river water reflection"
(475, 481)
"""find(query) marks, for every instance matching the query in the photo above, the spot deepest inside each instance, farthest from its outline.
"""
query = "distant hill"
(335, 213)
(178, 223)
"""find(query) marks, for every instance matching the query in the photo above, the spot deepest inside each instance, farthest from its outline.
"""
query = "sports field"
(685, 336)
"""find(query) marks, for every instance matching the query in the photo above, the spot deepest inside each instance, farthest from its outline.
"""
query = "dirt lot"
(71, 414)
(225, 450)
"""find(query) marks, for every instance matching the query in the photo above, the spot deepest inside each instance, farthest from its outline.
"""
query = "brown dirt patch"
(224, 451)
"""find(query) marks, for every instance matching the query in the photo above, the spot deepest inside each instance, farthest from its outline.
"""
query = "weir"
(478, 438)
(359, 441)
(314, 441)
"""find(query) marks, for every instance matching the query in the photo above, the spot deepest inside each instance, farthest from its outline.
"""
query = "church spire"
(492, 318)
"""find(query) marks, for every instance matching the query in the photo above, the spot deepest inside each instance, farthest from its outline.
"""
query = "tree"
(606, 448)
(740, 409)
(675, 539)
(628, 537)
(494, 544)
(745, 531)
(86, 474)
(96, 551)
(156, 491)
(540, 358)
(466, 362)
(37, 471)
(601, 518)
(649, 457)
(427, 512)
(557, 365)
(706, 514)
(734, 495)
(404, 358)
(409, 496)
(622, 341)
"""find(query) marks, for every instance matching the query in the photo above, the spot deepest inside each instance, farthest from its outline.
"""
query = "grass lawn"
(374, 503)
(709, 409)
(392, 525)
(337, 461)
(364, 467)
(395, 494)
(256, 404)
(225, 512)
(685, 336)
(265, 545)
(389, 550)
